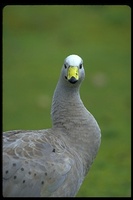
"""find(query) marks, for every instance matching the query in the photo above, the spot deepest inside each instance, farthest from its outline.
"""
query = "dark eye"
(65, 66)
(80, 66)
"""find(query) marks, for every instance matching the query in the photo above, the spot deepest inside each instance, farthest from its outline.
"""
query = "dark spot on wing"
(42, 182)
(53, 150)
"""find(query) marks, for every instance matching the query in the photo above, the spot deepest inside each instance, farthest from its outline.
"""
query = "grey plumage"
(53, 162)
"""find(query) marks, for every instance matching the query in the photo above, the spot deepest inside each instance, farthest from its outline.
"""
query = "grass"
(36, 39)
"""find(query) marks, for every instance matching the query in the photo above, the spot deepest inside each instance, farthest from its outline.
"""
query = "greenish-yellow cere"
(73, 72)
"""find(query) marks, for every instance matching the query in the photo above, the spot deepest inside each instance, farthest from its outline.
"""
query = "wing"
(37, 163)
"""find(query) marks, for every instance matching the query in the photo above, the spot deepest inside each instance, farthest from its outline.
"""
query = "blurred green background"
(36, 40)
